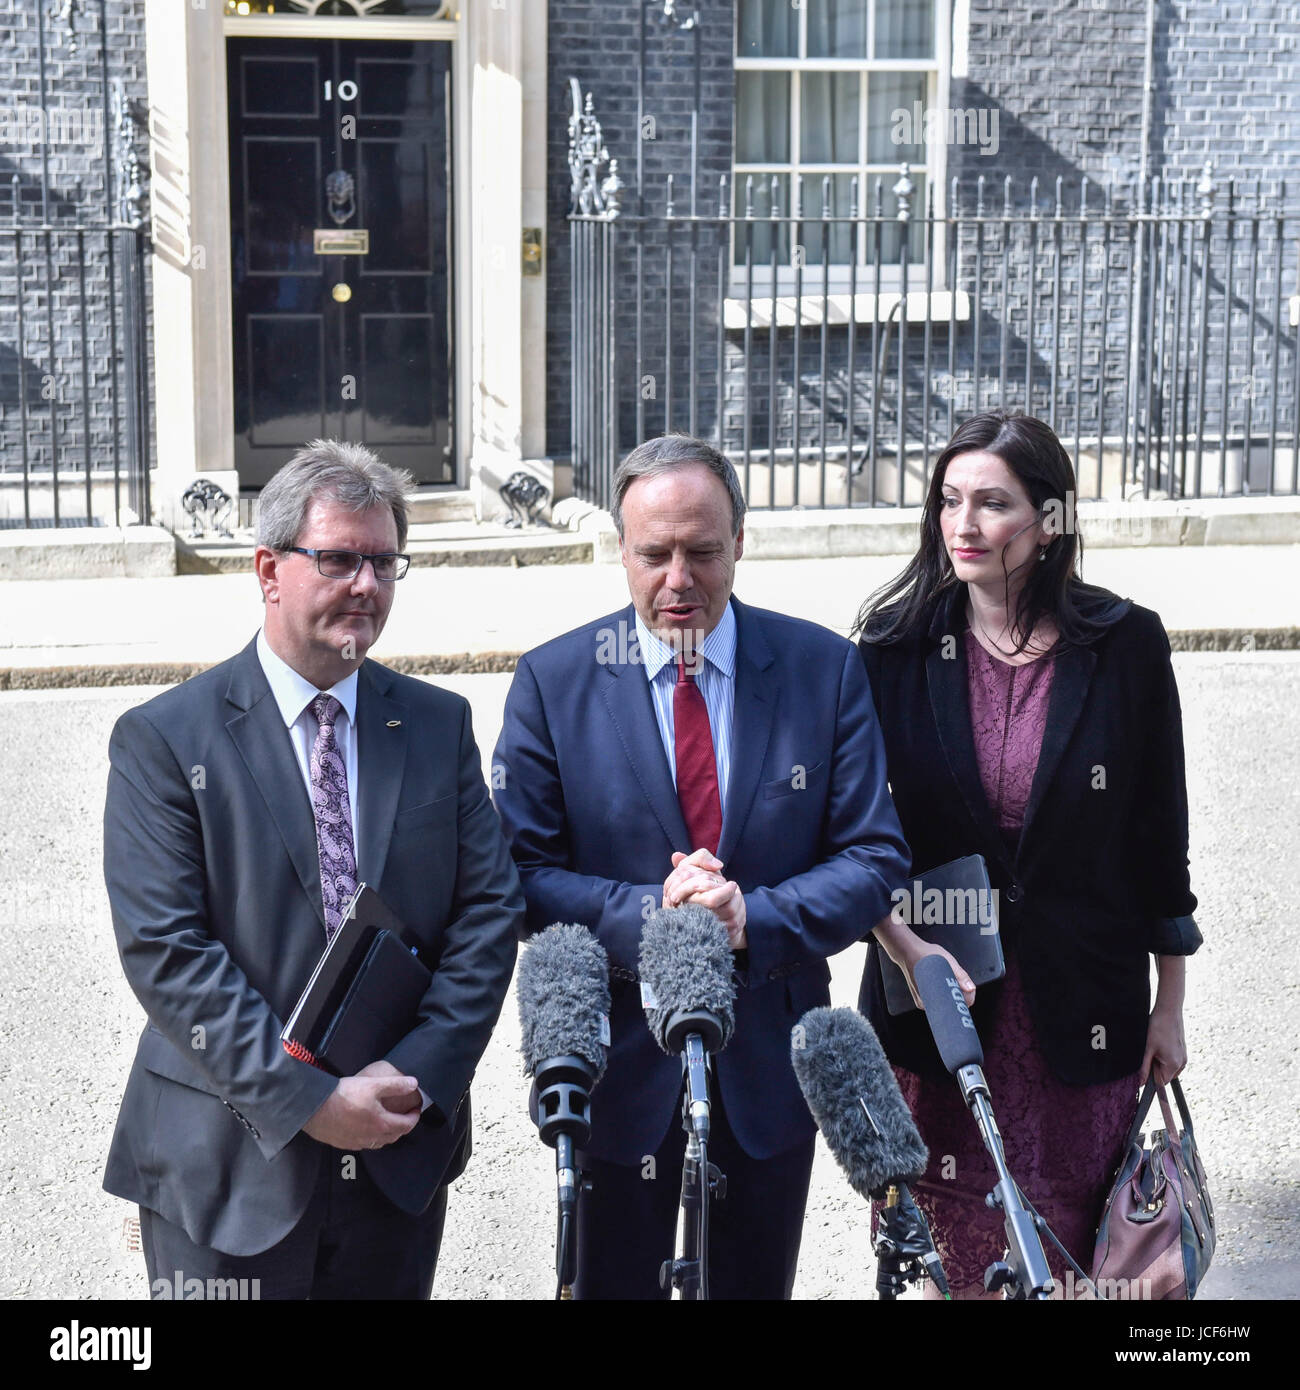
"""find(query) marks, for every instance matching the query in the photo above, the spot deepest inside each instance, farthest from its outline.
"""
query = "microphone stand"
(564, 1122)
(701, 1180)
(1026, 1275)
(904, 1249)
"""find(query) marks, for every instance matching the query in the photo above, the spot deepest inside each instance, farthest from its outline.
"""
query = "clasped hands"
(695, 879)
(375, 1107)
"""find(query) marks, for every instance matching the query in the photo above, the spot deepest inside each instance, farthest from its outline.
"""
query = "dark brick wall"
(75, 130)
(598, 43)
(1066, 83)
(1065, 79)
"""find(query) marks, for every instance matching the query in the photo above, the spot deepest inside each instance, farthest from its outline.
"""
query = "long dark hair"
(1052, 588)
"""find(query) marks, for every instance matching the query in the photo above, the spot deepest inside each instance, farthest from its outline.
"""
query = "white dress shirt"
(715, 678)
(293, 695)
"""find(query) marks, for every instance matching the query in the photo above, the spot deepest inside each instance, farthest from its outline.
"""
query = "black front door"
(340, 192)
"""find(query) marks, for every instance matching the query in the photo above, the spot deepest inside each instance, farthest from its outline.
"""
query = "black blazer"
(1099, 879)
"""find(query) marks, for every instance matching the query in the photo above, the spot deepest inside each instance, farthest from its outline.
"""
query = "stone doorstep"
(456, 543)
(88, 552)
(439, 505)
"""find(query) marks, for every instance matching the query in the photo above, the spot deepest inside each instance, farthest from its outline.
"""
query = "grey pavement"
(95, 631)
(69, 1025)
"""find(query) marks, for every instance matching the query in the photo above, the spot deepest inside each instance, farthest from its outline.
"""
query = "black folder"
(363, 995)
(952, 906)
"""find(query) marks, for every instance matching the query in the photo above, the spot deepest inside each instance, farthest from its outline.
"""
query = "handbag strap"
(1171, 1129)
(1144, 1104)
(1181, 1102)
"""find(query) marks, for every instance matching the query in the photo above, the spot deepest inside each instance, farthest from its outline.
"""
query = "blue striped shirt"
(716, 678)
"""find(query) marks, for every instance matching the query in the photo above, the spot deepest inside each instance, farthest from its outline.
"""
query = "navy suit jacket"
(808, 832)
(211, 865)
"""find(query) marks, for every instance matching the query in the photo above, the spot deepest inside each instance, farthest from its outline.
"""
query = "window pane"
(815, 229)
(896, 118)
(759, 229)
(762, 117)
(904, 29)
(767, 29)
(837, 28)
(828, 121)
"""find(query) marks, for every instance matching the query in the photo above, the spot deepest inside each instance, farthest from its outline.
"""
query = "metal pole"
(1230, 249)
(1078, 328)
(1205, 189)
(1277, 334)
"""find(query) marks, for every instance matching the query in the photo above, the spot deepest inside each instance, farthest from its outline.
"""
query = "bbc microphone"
(854, 1098)
(689, 994)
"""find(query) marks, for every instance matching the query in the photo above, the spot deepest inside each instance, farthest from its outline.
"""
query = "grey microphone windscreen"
(854, 1097)
(563, 994)
(686, 962)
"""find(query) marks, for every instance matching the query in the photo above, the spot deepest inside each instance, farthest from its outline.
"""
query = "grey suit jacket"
(211, 866)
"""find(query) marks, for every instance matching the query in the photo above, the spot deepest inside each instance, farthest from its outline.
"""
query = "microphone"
(854, 1097)
(689, 994)
(951, 1024)
(563, 994)
(955, 1036)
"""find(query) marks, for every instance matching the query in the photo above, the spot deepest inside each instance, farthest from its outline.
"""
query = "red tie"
(697, 769)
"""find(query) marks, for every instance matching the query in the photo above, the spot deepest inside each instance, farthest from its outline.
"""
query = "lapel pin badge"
(394, 723)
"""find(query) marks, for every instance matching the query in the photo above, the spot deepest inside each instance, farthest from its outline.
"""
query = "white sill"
(938, 306)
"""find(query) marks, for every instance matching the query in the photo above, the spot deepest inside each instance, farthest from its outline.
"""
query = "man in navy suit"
(693, 749)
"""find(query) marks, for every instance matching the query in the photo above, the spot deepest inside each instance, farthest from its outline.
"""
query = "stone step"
(463, 543)
(430, 505)
(425, 506)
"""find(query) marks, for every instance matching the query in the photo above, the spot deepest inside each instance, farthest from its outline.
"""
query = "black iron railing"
(830, 351)
(74, 349)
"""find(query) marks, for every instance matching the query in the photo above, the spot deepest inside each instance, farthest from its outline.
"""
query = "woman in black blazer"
(1032, 719)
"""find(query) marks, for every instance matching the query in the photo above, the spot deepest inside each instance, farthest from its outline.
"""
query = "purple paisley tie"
(329, 799)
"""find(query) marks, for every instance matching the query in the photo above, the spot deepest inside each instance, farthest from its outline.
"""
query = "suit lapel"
(626, 693)
(381, 734)
(263, 743)
(755, 713)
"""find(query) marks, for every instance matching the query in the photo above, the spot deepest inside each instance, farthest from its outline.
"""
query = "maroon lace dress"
(1062, 1142)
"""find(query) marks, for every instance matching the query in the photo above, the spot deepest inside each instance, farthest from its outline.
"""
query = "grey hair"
(329, 468)
(666, 454)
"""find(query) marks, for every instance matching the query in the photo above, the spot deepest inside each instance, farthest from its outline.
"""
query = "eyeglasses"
(346, 564)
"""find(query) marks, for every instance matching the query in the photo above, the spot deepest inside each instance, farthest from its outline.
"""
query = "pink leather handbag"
(1156, 1236)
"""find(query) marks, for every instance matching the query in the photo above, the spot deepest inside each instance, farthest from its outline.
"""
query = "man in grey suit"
(243, 808)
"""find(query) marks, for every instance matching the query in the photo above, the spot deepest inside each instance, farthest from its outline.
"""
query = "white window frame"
(937, 71)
